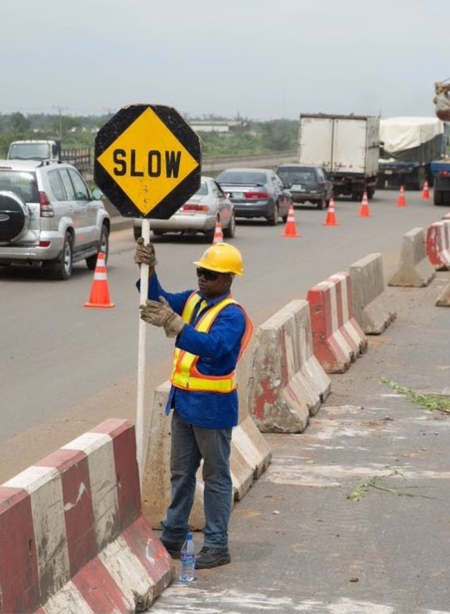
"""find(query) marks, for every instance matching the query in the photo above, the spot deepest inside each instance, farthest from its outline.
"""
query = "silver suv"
(49, 217)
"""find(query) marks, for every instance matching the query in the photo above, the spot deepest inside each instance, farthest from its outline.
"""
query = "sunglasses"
(207, 274)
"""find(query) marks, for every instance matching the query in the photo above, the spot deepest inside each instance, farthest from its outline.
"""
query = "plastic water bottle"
(187, 560)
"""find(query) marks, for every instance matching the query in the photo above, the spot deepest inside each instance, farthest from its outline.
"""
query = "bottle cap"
(189, 536)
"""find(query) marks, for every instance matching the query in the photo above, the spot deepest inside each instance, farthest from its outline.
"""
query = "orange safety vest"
(185, 374)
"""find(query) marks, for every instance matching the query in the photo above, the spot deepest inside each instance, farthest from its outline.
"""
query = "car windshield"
(29, 151)
(296, 175)
(242, 177)
(22, 183)
(203, 189)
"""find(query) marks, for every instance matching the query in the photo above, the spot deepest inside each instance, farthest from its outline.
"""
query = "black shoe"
(173, 548)
(210, 557)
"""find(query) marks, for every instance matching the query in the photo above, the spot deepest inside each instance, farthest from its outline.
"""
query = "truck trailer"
(346, 146)
(408, 145)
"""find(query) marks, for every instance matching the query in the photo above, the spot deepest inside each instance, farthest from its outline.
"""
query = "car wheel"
(321, 203)
(230, 230)
(62, 266)
(209, 235)
(272, 220)
(91, 262)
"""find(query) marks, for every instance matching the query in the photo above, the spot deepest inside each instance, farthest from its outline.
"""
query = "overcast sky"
(262, 59)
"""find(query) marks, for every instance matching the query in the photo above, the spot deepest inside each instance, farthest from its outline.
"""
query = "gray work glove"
(159, 313)
(145, 254)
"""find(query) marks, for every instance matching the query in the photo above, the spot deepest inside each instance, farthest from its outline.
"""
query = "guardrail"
(214, 165)
(82, 158)
(272, 159)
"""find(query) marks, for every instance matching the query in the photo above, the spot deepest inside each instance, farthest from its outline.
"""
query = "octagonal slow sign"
(147, 161)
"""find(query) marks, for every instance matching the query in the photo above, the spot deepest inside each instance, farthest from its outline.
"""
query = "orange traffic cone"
(425, 192)
(401, 200)
(290, 230)
(218, 234)
(100, 293)
(364, 209)
(331, 215)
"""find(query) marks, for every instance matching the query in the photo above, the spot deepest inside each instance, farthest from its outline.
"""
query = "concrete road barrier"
(250, 455)
(286, 384)
(337, 338)
(414, 269)
(438, 245)
(72, 535)
(443, 300)
(370, 307)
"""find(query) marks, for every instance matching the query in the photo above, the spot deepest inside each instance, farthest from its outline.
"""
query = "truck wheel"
(438, 197)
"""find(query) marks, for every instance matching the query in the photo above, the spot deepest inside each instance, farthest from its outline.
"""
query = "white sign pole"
(140, 447)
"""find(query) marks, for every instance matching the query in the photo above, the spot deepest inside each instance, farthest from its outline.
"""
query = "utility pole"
(60, 110)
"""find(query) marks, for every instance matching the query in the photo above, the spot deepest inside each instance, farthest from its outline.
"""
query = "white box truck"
(346, 146)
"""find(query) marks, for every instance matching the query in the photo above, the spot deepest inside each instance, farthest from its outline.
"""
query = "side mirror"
(97, 194)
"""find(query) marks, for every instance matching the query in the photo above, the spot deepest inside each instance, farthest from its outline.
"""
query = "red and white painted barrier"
(438, 244)
(337, 337)
(286, 384)
(72, 535)
(250, 456)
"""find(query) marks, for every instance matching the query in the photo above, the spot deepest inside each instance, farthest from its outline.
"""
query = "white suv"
(49, 217)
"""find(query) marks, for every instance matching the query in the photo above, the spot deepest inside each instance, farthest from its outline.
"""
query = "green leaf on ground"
(430, 401)
(378, 482)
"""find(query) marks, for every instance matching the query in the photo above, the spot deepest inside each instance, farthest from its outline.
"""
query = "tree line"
(79, 131)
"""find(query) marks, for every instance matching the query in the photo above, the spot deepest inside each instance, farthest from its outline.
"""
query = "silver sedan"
(199, 214)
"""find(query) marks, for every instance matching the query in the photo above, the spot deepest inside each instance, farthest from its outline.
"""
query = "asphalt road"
(66, 368)
(352, 515)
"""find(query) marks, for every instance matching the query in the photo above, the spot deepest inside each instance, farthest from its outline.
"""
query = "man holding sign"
(211, 332)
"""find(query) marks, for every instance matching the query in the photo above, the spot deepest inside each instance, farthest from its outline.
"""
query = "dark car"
(256, 192)
(306, 184)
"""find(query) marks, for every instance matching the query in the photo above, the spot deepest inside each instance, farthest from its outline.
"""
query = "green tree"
(279, 134)
(19, 123)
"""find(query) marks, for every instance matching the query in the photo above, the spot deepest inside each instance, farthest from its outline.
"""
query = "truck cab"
(35, 150)
(440, 170)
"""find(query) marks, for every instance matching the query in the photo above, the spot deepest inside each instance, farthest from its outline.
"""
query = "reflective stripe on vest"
(185, 374)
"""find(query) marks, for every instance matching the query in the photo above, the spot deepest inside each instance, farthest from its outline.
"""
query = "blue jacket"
(218, 352)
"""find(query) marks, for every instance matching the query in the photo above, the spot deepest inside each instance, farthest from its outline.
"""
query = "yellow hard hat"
(222, 258)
